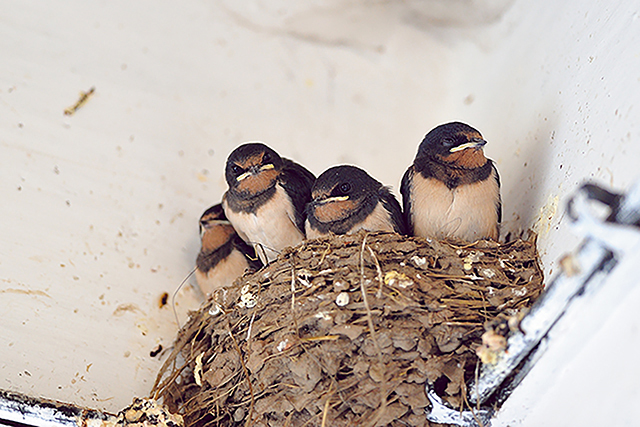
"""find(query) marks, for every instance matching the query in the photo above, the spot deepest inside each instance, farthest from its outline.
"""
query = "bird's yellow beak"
(476, 143)
(209, 224)
(252, 171)
(334, 199)
(243, 176)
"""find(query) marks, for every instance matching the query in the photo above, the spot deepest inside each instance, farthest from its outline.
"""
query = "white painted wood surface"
(98, 211)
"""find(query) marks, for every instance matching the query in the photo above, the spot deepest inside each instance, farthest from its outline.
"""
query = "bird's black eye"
(236, 169)
(344, 188)
(266, 158)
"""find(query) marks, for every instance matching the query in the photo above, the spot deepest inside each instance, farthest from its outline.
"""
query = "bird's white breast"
(378, 220)
(468, 212)
(272, 226)
(224, 273)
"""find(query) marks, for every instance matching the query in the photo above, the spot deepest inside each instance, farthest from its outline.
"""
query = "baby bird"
(266, 198)
(223, 256)
(346, 199)
(452, 191)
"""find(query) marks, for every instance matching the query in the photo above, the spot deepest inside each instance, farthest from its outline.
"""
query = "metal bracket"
(606, 241)
(17, 409)
(441, 413)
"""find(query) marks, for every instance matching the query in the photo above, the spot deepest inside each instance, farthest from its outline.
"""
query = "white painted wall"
(99, 210)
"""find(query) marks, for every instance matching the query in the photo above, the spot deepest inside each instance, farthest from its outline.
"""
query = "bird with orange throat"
(223, 255)
(346, 199)
(452, 191)
(266, 198)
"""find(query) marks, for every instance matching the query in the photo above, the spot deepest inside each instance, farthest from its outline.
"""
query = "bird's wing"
(391, 205)
(405, 190)
(297, 181)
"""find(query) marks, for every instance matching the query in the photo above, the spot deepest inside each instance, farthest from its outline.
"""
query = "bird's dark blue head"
(211, 217)
(341, 191)
(343, 182)
(252, 167)
(456, 143)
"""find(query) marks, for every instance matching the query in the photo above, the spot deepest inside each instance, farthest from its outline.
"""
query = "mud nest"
(346, 330)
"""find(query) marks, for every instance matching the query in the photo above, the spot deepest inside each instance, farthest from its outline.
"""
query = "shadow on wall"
(523, 194)
(454, 13)
(361, 25)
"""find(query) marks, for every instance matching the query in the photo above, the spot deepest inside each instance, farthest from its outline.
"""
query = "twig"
(324, 254)
(383, 390)
(159, 384)
(173, 297)
(364, 297)
(84, 97)
(178, 347)
(322, 338)
(469, 245)
(246, 373)
(325, 412)
(253, 317)
(293, 301)
(379, 270)
(477, 374)
(262, 251)
(463, 393)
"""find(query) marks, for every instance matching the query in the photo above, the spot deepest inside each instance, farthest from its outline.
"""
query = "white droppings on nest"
(505, 266)
(474, 277)
(491, 290)
(225, 294)
(141, 412)
(215, 310)
(247, 299)
(342, 299)
(324, 272)
(519, 292)
(395, 278)
(488, 273)
(304, 281)
(323, 315)
(340, 285)
(304, 273)
(283, 345)
(471, 258)
(419, 261)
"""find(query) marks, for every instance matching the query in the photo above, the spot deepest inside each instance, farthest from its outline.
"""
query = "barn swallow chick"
(224, 256)
(347, 199)
(452, 190)
(266, 198)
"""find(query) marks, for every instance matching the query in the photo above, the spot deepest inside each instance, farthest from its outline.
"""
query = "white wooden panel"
(98, 211)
